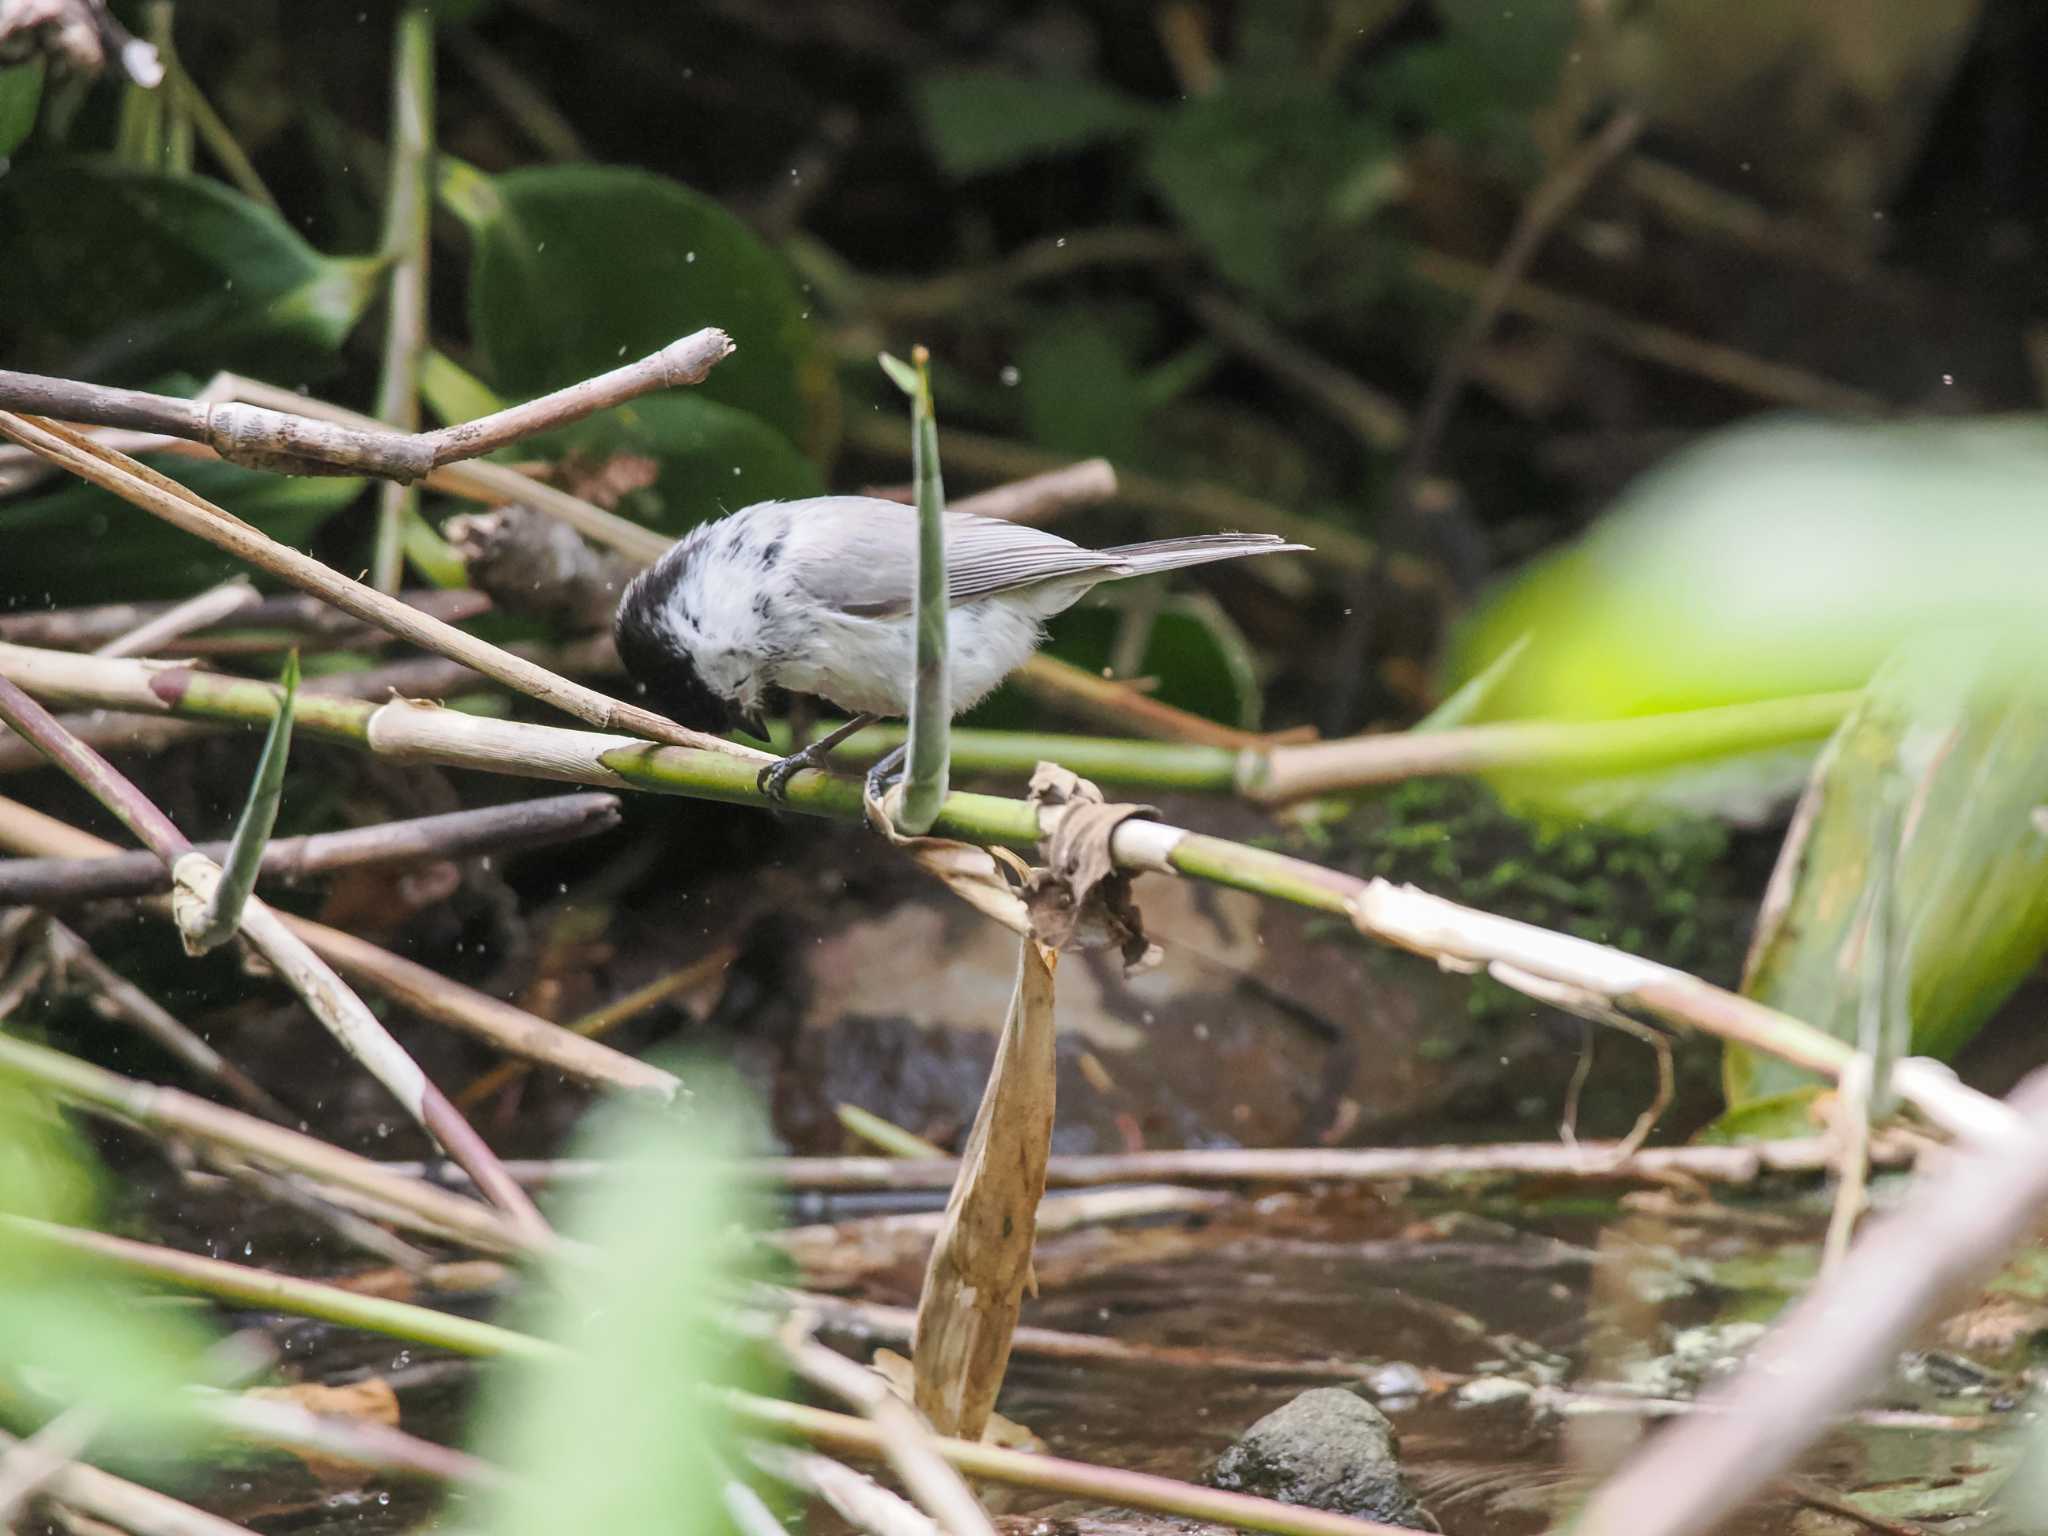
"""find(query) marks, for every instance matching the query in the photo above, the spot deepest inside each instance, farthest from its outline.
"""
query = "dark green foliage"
(712, 458)
(128, 273)
(1266, 176)
(75, 543)
(578, 269)
(985, 120)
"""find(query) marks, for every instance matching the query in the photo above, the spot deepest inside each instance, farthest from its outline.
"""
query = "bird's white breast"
(866, 665)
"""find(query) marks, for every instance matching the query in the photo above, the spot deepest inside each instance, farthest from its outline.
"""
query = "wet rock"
(1328, 1449)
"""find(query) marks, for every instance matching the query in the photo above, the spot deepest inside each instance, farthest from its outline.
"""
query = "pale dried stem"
(1402, 916)
(855, 1497)
(165, 498)
(417, 1205)
(331, 1002)
(200, 612)
(455, 835)
(130, 1506)
(290, 442)
(424, 992)
(904, 1438)
(1834, 1344)
(1053, 1474)
(1591, 1160)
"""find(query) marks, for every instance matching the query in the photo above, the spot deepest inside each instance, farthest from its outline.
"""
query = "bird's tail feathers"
(1197, 549)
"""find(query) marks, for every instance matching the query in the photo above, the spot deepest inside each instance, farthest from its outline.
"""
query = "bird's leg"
(887, 770)
(773, 781)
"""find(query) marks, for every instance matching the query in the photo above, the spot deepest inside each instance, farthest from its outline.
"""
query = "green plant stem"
(1388, 914)
(244, 859)
(214, 133)
(931, 694)
(240, 1285)
(408, 212)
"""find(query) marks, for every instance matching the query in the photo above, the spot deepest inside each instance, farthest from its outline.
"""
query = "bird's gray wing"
(859, 554)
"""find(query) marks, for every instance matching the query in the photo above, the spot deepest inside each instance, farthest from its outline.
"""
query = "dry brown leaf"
(974, 1282)
(373, 1399)
(1080, 897)
(973, 873)
(1005, 1432)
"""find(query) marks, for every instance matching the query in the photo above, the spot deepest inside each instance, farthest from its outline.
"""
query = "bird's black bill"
(755, 725)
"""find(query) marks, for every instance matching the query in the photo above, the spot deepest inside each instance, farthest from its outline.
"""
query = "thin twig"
(1777, 383)
(1374, 417)
(200, 612)
(361, 1442)
(339, 1009)
(495, 829)
(129, 1003)
(286, 442)
(1041, 498)
(1559, 193)
(88, 628)
(603, 1020)
(855, 1497)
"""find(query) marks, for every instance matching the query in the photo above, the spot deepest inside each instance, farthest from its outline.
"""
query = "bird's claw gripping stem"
(887, 770)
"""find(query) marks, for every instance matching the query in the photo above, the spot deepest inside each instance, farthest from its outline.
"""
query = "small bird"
(815, 597)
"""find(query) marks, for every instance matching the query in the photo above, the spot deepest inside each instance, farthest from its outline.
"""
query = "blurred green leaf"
(1079, 391)
(452, 392)
(1956, 728)
(76, 543)
(577, 269)
(985, 120)
(72, 1331)
(1782, 558)
(1264, 175)
(1772, 560)
(620, 1435)
(21, 92)
(1518, 47)
(712, 459)
(119, 273)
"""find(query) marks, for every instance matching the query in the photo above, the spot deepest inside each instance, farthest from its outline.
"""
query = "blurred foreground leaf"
(619, 1434)
(73, 1332)
(1924, 800)
(985, 120)
(577, 269)
(75, 543)
(116, 273)
(1788, 557)
(1784, 558)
